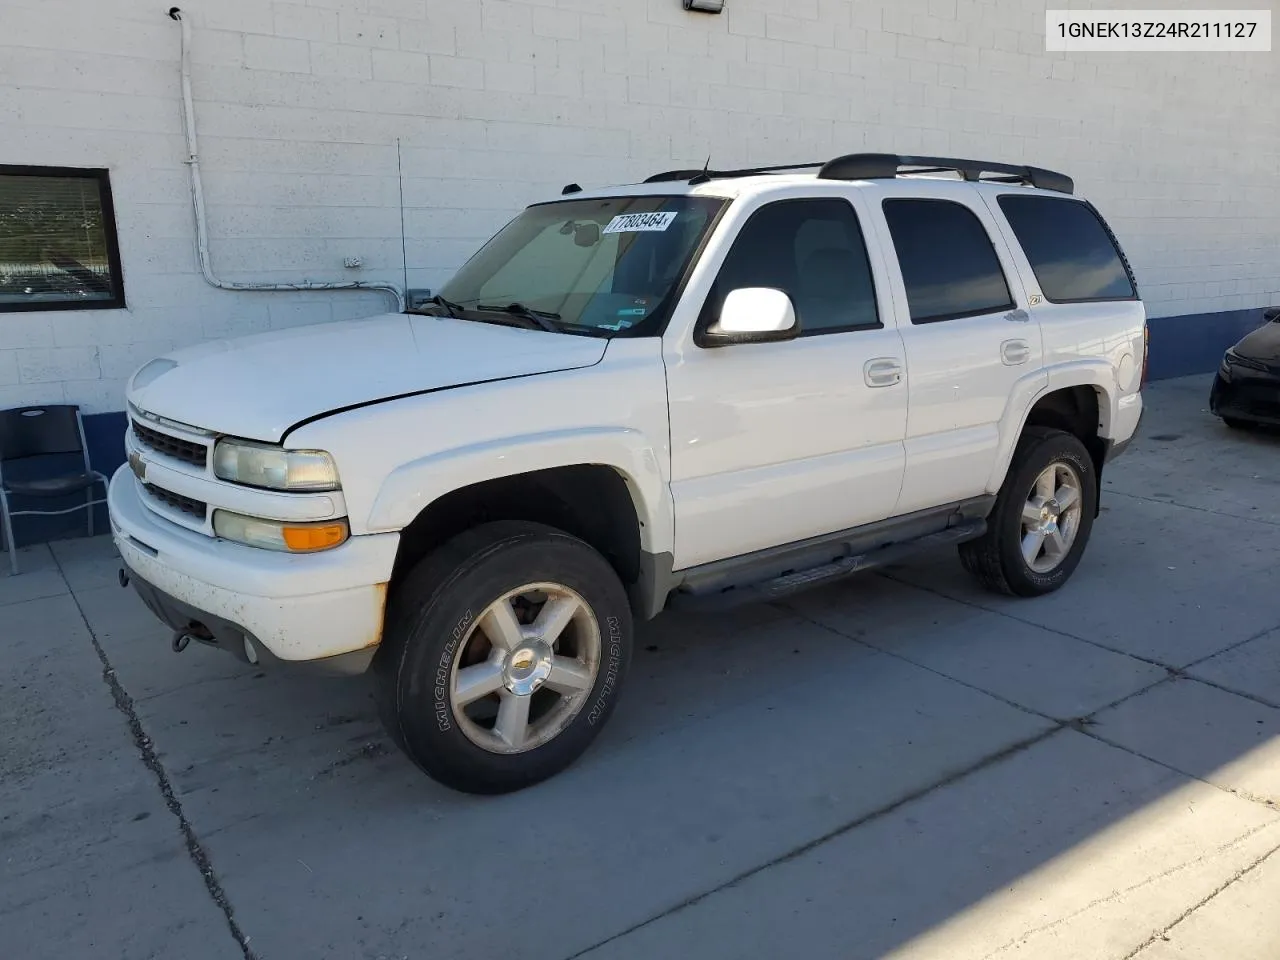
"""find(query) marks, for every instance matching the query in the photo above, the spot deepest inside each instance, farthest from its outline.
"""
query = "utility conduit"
(197, 201)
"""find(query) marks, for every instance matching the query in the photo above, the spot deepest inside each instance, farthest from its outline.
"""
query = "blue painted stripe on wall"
(1180, 346)
(1194, 342)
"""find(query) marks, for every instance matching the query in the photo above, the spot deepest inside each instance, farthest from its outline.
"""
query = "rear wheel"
(1042, 519)
(504, 654)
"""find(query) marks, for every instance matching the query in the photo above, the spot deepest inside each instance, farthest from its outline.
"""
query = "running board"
(794, 582)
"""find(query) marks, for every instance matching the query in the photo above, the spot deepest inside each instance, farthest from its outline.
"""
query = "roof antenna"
(705, 175)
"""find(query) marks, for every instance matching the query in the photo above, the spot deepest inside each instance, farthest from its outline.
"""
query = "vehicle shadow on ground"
(847, 773)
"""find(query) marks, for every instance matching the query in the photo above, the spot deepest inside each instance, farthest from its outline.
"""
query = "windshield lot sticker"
(640, 223)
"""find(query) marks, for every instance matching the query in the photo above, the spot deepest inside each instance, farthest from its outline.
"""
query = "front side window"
(609, 267)
(813, 251)
(949, 266)
(1072, 255)
(57, 240)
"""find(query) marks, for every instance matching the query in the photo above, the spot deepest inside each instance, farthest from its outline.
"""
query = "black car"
(1247, 388)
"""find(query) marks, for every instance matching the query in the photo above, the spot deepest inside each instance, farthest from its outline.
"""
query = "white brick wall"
(501, 102)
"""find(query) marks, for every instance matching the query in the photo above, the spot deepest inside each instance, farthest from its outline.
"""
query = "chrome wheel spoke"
(1031, 512)
(569, 676)
(554, 617)
(1067, 497)
(1031, 544)
(1055, 545)
(513, 720)
(500, 625)
(478, 681)
(1045, 483)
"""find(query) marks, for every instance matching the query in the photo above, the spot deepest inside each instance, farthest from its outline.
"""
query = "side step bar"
(796, 581)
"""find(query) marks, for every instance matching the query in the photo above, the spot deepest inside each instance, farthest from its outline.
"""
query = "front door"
(773, 443)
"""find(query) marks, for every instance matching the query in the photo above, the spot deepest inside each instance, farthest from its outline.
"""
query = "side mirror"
(1271, 315)
(753, 315)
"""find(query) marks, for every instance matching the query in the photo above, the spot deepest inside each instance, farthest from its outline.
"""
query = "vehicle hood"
(1263, 344)
(258, 387)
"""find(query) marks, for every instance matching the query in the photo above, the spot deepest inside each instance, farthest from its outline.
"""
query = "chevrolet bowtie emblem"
(138, 466)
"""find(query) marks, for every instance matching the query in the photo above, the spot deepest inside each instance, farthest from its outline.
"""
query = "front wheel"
(504, 654)
(1042, 519)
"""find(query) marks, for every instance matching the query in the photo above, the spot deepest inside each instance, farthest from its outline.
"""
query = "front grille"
(196, 508)
(188, 451)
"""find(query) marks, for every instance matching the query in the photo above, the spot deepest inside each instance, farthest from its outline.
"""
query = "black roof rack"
(886, 166)
(883, 166)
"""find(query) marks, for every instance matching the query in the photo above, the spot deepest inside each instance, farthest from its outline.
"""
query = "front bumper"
(1246, 396)
(312, 607)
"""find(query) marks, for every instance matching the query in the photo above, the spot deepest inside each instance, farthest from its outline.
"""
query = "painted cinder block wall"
(497, 103)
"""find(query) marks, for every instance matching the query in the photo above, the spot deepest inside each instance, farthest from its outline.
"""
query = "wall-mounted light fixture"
(704, 6)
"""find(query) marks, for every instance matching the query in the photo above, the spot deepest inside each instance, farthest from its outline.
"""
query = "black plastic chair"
(45, 456)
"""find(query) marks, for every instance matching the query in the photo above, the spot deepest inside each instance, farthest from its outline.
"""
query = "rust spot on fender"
(380, 601)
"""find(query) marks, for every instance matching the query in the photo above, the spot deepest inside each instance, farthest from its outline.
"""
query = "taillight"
(1146, 351)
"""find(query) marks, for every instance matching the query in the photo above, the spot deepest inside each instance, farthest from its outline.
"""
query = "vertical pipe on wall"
(197, 200)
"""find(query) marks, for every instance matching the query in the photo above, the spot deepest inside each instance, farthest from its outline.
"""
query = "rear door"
(969, 337)
(1079, 285)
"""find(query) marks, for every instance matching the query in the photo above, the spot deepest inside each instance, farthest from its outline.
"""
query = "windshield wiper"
(542, 318)
(451, 309)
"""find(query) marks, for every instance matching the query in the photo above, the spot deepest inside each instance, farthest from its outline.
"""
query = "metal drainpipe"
(197, 201)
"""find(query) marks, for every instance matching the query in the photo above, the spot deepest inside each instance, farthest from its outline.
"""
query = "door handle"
(882, 372)
(1017, 316)
(1014, 352)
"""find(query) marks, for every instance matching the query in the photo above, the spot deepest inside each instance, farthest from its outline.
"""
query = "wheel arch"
(1079, 399)
(603, 487)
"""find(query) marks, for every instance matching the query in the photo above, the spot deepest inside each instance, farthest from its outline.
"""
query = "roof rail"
(885, 166)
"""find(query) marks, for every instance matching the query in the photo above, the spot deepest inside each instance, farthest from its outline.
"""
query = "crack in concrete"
(1026, 623)
(1083, 723)
(869, 817)
(1189, 506)
(1021, 939)
(1163, 934)
(199, 856)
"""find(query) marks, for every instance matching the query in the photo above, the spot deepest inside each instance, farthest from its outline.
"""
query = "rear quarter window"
(1070, 249)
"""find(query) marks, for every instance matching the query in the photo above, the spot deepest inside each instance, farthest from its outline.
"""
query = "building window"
(58, 248)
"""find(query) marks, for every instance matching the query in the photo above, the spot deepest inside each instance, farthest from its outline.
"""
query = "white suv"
(713, 387)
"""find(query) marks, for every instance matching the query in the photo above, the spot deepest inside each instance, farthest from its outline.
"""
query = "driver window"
(812, 250)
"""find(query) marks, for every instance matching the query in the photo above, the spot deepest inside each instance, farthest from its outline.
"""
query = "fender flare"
(1095, 373)
(414, 486)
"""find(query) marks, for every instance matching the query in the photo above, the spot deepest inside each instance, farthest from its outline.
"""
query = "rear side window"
(813, 251)
(1071, 251)
(948, 263)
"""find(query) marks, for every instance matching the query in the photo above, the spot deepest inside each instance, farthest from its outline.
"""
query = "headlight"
(274, 468)
(278, 535)
(1232, 359)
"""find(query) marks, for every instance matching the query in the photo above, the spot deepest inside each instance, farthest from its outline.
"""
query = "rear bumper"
(1128, 420)
(290, 608)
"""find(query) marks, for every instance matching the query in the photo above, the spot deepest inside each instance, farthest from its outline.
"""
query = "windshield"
(606, 267)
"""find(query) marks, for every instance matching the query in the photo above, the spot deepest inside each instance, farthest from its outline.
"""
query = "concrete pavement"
(900, 765)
